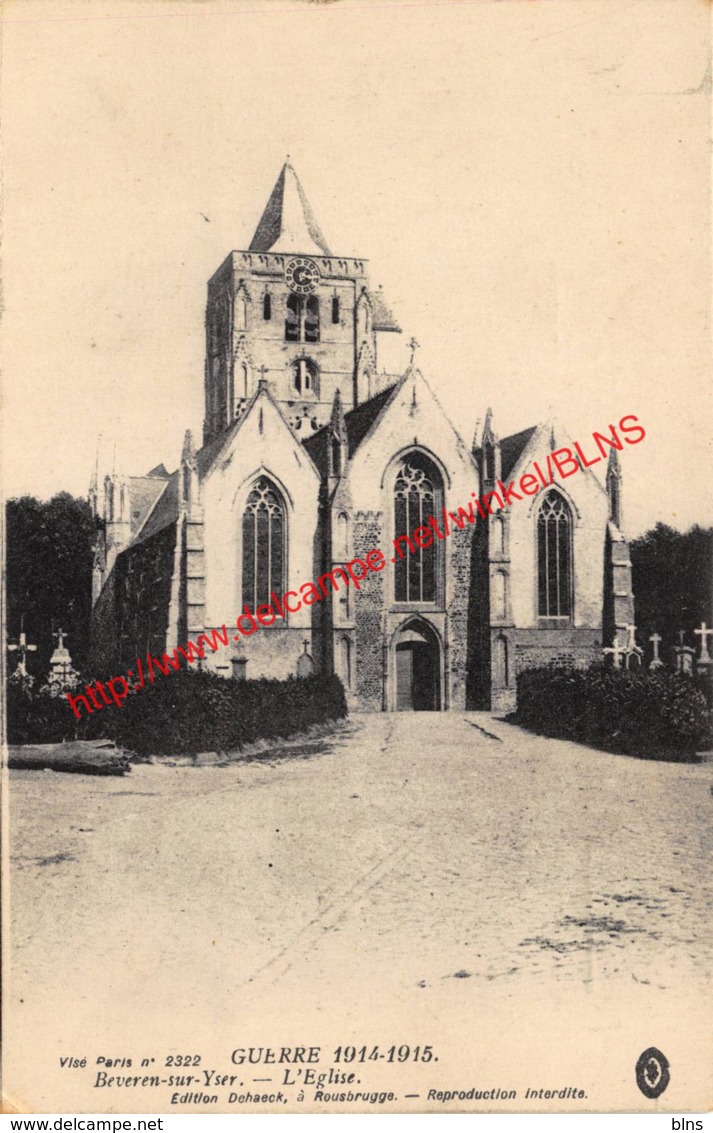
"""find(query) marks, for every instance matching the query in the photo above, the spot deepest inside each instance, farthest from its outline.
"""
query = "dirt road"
(418, 873)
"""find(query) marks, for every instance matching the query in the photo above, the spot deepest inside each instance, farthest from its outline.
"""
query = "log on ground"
(82, 757)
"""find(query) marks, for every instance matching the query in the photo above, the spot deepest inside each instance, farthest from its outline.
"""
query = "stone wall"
(367, 534)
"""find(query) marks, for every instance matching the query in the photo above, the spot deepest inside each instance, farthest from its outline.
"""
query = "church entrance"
(418, 669)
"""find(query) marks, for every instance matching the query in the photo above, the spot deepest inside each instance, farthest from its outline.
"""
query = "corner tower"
(290, 312)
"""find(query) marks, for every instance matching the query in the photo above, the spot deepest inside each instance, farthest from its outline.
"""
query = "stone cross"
(704, 633)
(62, 676)
(634, 652)
(22, 649)
(618, 652)
(305, 642)
(681, 635)
(655, 640)
(413, 347)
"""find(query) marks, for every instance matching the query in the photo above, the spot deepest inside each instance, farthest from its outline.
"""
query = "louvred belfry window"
(293, 319)
(263, 544)
(554, 558)
(418, 494)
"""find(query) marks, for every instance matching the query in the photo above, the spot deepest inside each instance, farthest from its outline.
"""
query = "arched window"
(305, 377)
(267, 306)
(418, 494)
(335, 309)
(264, 531)
(554, 557)
(241, 313)
(243, 382)
(500, 595)
(302, 321)
(293, 319)
(340, 552)
(312, 319)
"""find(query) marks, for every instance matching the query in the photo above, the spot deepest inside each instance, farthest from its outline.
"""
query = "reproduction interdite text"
(366, 1072)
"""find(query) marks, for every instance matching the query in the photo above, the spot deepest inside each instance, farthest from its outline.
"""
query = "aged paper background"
(530, 181)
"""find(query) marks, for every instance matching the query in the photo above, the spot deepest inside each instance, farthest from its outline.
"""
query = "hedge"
(185, 713)
(657, 715)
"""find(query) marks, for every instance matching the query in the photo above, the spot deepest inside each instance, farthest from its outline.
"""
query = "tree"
(673, 583)
(49, 575)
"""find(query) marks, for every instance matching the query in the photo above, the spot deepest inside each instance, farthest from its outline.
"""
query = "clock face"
(302, 275)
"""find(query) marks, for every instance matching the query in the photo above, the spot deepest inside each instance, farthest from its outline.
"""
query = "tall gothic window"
(335, 309)
(264, 531)
(418, 494)
(554, 557)
(267, 306)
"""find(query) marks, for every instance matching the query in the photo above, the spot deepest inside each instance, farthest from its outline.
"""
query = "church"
(312, 456)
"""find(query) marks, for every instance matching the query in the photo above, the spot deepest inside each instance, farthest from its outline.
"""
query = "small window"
(335, 309)
(267, 307)
(305, 376)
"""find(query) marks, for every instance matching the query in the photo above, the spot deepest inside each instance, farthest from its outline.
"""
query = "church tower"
(289, 312)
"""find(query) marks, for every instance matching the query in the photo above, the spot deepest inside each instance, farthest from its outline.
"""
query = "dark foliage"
(35, 717)
(673, 584)
(186, 713)
(49, 575)
(658, 715)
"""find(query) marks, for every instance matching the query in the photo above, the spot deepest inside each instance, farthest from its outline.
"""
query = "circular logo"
(652, 1073)
(302, 275)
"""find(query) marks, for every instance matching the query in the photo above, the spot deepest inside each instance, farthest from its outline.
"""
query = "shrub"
(186, 713)
(659, 715)
(35, 717)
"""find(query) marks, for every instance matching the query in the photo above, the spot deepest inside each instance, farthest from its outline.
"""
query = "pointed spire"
(338, 423)
(288, 223)
(189, 449)
(613, 482)
(94, 482)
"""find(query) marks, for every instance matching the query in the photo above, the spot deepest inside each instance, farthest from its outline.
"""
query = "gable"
(405, 416)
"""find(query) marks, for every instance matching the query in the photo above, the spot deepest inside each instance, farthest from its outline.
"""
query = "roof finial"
(413, 347)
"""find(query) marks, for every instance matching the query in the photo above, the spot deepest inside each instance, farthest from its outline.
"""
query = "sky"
(529, 180)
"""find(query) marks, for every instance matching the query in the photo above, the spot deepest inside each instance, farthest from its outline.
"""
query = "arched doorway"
(417, 659)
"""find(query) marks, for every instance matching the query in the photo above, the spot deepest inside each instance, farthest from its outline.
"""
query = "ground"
(538, 909)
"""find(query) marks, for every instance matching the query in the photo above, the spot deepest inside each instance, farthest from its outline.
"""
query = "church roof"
(143, 493)
(165, 512)
(512, 448)
(288, 223)
(381, 316)
(358, 422)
